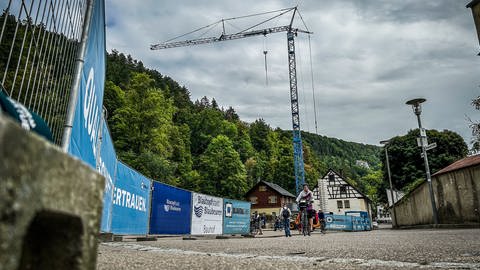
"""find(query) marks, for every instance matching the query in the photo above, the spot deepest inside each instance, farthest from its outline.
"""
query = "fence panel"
(236, 217)
(107, 165)
(207, 214)
(39, 41)
(131, 202)
(338, 222)
(171, 210)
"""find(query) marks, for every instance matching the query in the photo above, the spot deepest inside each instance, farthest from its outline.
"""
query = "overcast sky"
(369, 57)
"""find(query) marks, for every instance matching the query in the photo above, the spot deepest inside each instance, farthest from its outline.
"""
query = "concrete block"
(117, 238)
(146, 238)
(105, 237)
(50, 204)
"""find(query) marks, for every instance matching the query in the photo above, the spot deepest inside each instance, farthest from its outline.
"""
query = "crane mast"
(291, 33)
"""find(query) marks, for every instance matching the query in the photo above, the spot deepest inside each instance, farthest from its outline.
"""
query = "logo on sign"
(198, 210)
(329, 219)
(172, 206)
(228, 210)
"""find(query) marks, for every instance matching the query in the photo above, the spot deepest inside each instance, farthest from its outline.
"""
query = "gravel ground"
(380, 249)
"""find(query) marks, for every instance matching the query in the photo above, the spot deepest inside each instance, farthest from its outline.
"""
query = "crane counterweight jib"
(224, 37)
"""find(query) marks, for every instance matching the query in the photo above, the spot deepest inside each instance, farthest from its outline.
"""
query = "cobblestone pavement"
(379, 249)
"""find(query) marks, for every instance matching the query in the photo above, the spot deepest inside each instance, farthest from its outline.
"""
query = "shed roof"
(460, 164)
(473, 3)
(275, 187)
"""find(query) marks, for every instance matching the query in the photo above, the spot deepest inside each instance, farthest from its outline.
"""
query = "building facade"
(267, 198)
(335, 194)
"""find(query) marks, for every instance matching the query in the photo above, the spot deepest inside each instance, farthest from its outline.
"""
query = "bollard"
(50, 204)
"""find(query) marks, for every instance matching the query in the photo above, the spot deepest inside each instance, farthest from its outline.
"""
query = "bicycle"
(304, 217)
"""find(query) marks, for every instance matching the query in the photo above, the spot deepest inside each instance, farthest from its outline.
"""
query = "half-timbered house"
(335, 194)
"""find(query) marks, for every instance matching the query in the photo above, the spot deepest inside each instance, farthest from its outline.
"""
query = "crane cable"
(265, 54)
(313, 85)
(301, 80)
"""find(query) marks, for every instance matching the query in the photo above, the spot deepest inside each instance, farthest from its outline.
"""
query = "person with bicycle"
(307, 196)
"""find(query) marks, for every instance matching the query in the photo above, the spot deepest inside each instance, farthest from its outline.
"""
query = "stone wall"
(456, 195)
(50, 204)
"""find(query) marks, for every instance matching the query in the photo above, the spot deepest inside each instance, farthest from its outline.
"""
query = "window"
(343, 189)
(339, 204)
(331, 179)
(262, 188)
(272, 199)
(253, 200)
(346, 203)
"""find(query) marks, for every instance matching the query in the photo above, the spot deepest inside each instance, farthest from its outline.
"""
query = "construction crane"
(248, 32)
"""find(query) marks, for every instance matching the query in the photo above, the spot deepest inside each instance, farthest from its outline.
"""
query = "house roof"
(460, 164)
(348, 182)
(473, 3)
(275, 187)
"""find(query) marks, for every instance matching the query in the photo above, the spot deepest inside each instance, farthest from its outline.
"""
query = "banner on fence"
(207, 214)
(131, 197)
(338, 222)
(88, 111)
(171, 210)
(107, 164)
(236, 217)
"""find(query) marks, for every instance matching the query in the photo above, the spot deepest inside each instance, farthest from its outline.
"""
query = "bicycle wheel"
(304, 223)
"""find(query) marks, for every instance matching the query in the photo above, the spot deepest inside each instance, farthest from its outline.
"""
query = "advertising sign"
(338, 222)
(171, 210)
(88, 111)
(236, 218)
(131, 197)
(107, 164)
(207, 214)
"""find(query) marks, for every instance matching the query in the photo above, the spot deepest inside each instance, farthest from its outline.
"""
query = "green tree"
(259, 131)
(222, 171)
(143, 130)
(406, 164)
(475, 126)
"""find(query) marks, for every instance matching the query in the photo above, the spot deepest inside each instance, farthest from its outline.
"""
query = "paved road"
(380, 249)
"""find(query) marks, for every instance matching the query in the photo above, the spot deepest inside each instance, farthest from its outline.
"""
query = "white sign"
(431, 146)
(207, 214)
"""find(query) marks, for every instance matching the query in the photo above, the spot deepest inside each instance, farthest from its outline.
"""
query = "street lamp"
(394, 221)
(417, 109)
(475, 6)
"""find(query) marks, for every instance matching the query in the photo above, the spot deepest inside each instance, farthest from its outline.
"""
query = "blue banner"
(171, 209)
(107, 165)
(236, 217)
(338, 222)
(86, 123)
(131, 197)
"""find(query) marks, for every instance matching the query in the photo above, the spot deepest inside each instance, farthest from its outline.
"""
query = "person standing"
(285, 213)
(258, 226)
(321, 219)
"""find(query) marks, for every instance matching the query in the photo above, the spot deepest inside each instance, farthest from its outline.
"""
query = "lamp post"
(475, 6)
(417, 109)
(394, 221)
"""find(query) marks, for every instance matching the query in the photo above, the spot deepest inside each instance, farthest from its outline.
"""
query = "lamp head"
(385, 142)
(415, 103)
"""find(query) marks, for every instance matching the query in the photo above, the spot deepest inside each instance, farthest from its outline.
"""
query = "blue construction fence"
(358, 221)
(136, 205)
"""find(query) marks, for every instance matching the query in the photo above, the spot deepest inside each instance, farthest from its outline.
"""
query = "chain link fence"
(39, 42)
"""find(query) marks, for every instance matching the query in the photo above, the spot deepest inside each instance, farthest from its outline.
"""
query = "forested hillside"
(200, 146)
